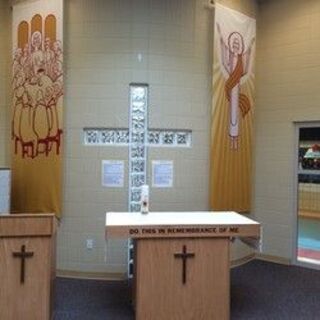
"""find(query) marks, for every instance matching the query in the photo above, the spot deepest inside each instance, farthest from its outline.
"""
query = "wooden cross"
(23, 254)
(184, 256)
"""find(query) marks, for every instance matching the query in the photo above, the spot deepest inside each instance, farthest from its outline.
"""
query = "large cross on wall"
(138, 137)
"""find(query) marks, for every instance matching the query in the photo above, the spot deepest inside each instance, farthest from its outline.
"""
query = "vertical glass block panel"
(137, 152)
(168, 137)
(136, 195)
(135, 207)
(138, 124)
(138, 166)
(138, 138)
(137, 146)
(138, 107)
(137, 180)
(138, 93)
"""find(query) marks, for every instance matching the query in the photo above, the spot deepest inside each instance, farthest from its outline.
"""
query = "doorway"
(308, 196)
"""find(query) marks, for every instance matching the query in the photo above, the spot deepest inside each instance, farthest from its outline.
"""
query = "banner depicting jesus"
(232, 110)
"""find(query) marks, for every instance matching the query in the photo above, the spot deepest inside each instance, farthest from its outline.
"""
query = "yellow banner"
(232, 111)
(37, 107)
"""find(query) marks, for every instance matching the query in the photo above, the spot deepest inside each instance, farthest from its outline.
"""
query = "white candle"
(144, 199)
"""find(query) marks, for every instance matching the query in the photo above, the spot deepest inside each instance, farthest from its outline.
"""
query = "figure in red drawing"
(37, 95)
(37, 54)
(235, 61)
(48, 56)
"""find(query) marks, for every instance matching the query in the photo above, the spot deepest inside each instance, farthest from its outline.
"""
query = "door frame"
(295, 261)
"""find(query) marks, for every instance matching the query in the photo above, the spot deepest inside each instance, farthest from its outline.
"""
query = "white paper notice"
(113, 173)
(162, 174)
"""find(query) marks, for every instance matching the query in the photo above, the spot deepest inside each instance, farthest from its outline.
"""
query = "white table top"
(202, 218)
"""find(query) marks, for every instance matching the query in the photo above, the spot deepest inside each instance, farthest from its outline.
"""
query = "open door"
(308, 196)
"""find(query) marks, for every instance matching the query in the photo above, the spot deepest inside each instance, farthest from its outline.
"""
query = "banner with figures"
(37, 90)
(232, 110)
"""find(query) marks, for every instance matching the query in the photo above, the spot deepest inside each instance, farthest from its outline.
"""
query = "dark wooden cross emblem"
(23, 254)
(184, 256)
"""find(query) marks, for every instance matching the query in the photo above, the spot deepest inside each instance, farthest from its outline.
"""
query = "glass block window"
(120, 137)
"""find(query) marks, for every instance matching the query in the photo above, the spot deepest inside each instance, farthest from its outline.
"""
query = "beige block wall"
(4, 82)
(102, 43)
(248, 7)
(288, 77)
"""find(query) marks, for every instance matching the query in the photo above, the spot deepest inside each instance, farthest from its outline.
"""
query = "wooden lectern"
(181, 261)
(27, 266)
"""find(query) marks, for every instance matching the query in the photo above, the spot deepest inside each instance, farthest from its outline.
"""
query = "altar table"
(182, 264)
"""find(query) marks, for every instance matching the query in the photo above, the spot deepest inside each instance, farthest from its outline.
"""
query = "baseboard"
(243, 260)
(108, 276)
(274, 259)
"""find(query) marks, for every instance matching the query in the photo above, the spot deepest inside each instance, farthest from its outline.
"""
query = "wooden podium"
(27, 266)
(181, 261)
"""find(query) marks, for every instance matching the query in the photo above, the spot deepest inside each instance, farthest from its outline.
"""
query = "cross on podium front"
(184, 256)
(23, 255)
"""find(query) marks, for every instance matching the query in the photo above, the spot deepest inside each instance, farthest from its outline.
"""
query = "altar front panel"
(160, 292)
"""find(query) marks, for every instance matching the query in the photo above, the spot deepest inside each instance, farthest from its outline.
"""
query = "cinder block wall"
(102, 43)
(288, 78)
